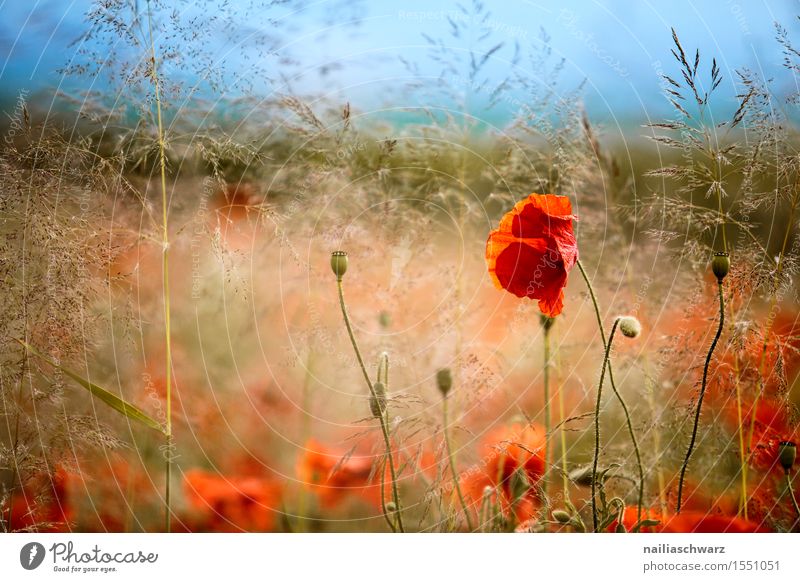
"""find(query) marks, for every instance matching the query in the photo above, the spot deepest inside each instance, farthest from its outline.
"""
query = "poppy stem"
(452, 462)
(794, 499)
(383, 419)
(597, 422)
(611, 381)
(547, 324)
(702, 393)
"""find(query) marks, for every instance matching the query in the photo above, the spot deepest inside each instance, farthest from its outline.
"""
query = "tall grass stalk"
(770, 318)
(164, 270)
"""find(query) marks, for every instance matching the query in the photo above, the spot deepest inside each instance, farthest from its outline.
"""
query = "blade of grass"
(125, 408)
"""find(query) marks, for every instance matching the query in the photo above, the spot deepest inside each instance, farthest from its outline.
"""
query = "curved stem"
(383, 421)
(451, 460)
(597, 422)
(384, 510)
(794, 499)
(700, 398)
(611, 381)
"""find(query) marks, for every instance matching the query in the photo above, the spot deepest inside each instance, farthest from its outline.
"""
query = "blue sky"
(618, 47)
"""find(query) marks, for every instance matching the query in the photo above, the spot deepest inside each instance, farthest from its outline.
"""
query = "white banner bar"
(382, 557)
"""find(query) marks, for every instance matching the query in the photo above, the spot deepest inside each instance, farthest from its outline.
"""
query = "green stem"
(700, 398)
(794, 499)
(597, 422)
(383, 420)
(452, 461)
(164, 267)
(547, 448)
(611, 381)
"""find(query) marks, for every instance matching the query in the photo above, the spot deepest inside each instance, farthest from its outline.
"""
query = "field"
(300, 316)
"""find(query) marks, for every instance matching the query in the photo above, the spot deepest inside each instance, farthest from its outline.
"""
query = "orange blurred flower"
(232, 503)
(533, 250)
(333, 477)
(512, 464)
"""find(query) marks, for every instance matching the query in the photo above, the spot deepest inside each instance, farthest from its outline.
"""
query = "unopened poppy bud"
(630, 326)
(377, 402)
(787, 453)
(561, 516)
(391, 507)
(339, 264)
(720, 265)
(444, 381)
(384, 319)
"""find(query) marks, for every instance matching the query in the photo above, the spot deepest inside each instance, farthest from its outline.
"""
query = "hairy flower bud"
(444, 381)
(339, 264)
(377, 403)
(561, 516)
(630, 326)
(787, 453)
(720, 265)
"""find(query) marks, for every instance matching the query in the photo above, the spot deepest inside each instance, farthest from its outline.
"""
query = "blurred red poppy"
(43, 505)
(512, 464)
(690, 522)
(533, 250)
(333, 477)
(232, 503)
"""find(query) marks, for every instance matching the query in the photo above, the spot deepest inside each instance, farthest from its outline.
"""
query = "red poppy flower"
(533, 250)
(333, 476)
(690, 522)
(509, 453)
(232, 503)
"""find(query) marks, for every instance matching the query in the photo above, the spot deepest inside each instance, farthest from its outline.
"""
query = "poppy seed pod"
(787, 452)
(377, 403)
(561, 516)
(630, 326)
(720, 265)
(339, 264)
(444, 381)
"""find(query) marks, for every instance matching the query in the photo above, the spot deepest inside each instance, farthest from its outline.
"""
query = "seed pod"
(444, 381)
(561, 516)
(787, 453)
(339, 264)
(630, 326)
(720, 265)
(377, 403)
